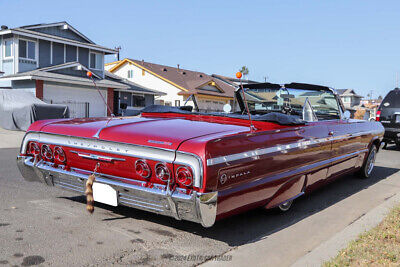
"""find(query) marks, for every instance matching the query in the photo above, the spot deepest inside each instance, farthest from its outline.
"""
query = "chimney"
(142, 61)
(4, 27)
(178, 67)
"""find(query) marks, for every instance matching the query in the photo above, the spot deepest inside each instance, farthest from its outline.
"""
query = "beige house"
(178, 84)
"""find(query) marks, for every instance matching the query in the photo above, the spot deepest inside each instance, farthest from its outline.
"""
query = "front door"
(345, 147)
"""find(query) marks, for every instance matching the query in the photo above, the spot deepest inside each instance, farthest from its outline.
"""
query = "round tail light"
(47, 153)
(162, 172)
(33, 149)
(142, 168)
(184, 176)
(59, 154)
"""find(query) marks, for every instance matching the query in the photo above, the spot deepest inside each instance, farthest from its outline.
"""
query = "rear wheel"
(366, 169)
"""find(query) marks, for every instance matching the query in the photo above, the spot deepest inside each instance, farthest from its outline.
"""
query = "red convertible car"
(284, 141)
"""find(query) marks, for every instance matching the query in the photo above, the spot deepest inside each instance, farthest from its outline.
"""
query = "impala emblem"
(223, 178)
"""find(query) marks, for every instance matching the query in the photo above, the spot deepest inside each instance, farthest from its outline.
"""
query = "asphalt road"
(49, 226)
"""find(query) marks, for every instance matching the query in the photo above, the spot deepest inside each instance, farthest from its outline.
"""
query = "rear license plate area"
(105, 194)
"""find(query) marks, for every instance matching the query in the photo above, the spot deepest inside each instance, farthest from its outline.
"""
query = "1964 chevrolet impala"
(203, 167)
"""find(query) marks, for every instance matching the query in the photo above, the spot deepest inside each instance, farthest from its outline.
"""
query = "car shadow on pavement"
(258, 223)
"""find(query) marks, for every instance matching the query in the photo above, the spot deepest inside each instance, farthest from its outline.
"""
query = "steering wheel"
(287, 109)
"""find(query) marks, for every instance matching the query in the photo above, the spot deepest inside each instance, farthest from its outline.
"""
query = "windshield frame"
(239, 93)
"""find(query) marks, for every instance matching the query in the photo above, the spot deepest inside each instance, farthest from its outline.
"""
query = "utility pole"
(118, 48)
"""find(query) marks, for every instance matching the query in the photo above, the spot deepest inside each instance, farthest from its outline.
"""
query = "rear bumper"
(392, 134)
(197, 207)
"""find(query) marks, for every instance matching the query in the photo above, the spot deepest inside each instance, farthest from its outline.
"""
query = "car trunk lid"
(166, 133)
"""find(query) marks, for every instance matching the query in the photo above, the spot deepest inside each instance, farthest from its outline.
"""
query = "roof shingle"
(189, 80)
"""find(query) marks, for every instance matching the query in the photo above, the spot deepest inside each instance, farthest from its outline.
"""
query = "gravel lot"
(49, 226)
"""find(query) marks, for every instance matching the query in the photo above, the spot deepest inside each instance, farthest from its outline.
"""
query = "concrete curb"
(329, 249)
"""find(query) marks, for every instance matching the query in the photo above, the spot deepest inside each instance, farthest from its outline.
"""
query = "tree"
(244, 70)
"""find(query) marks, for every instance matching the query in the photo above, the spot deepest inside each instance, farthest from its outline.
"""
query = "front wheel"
(366, 169)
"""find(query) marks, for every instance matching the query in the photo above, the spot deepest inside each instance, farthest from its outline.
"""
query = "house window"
(138, 101)
(177, 103)
(96, 61)
(8, 48)
(130, 74)
(27, 49)
(347, 99)
(143, 72)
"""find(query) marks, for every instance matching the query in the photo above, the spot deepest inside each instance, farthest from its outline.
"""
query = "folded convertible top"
(274, 117)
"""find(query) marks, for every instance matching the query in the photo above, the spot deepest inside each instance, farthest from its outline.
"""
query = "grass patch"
(379, 246)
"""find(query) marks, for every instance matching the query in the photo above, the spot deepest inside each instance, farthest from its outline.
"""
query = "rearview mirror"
(346, 115)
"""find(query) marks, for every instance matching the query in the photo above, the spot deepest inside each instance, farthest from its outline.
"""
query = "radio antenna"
(90, 75)
(239, 76)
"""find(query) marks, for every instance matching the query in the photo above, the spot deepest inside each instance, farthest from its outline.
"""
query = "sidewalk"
(316, 238)
(10, 139)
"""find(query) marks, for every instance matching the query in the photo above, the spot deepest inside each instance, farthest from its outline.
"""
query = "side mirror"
(346, 115)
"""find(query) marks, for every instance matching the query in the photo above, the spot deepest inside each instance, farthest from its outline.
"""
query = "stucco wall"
(75, 97)
(152, 82)
(28, 85)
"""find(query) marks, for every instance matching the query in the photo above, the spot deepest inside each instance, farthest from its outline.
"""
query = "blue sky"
(342, 44)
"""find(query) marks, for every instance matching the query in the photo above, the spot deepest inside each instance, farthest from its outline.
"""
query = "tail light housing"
(59, 154)
(33, 149)
(184, 176)
(162, 172)
(142, 168)
(378, 115)
(46, 152)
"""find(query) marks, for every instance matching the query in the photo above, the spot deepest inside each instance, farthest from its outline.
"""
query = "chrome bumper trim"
(197, 207)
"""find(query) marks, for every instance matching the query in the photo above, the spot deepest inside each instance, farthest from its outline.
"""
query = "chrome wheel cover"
(371, 161)
(285, 206)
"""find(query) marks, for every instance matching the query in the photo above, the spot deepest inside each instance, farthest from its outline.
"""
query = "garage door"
(78, 99)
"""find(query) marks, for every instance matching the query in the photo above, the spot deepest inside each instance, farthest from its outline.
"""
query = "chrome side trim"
(284, 148)
(124, 149)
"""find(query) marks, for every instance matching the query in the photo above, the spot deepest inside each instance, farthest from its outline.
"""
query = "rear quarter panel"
(255, 179)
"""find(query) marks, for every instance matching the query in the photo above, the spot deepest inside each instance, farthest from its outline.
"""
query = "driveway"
(49, 226)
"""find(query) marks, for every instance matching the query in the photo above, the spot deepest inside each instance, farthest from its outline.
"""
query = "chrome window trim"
(119, 148)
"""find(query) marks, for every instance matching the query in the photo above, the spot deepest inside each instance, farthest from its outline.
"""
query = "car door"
(350, 140)
(317, 154)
